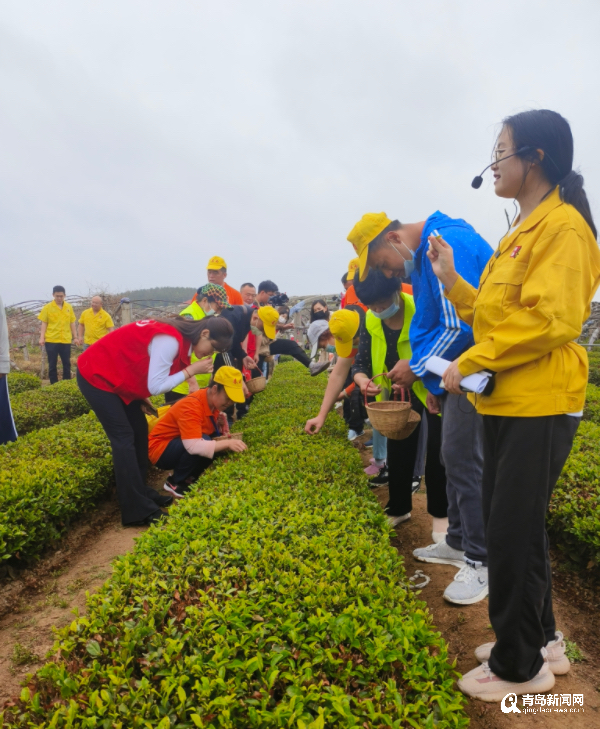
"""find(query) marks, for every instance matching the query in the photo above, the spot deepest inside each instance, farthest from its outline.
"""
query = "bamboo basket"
(231, 436)
(255, 385)
(413, 420)
(389, 417)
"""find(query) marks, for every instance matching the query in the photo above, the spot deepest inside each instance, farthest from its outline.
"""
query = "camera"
(278, 299)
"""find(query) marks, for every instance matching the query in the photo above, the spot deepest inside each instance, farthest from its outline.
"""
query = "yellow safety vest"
(195, 311)
(379, 347)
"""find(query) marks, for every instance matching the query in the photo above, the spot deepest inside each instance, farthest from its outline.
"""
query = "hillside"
(171, 294)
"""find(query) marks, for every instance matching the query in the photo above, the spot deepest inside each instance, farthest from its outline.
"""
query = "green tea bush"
(47, 406)
(574, 516)
(271, 598)
(594, 373)
(591, 410)
(22, 382)
(47, 478)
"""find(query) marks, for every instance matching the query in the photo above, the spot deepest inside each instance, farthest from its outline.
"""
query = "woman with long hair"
(534, 296)
(119, 372)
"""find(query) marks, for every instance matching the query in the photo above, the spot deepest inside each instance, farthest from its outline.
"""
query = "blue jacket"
(436, 328)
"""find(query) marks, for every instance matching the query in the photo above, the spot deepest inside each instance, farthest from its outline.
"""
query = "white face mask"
(409, 263)
(282, 319)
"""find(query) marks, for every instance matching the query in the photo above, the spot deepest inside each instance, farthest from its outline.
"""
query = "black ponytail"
(549, 131)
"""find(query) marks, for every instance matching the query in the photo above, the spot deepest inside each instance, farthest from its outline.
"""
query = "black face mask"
(319, 316)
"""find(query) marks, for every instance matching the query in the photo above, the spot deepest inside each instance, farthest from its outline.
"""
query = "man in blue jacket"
(400, 250)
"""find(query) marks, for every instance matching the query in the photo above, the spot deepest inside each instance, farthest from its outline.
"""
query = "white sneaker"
(353, 435)
(395, 520)
(557, 658)
(440, 553)
(482, 683)
(470, 584)
(172, 489)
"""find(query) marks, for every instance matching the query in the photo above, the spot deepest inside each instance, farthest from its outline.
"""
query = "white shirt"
(163, 349)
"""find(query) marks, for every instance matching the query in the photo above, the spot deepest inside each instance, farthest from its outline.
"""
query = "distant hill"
(171, 294)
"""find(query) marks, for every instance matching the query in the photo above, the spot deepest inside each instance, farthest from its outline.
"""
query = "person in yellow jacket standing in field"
(94, 323)
(58, 331)
(533, 298)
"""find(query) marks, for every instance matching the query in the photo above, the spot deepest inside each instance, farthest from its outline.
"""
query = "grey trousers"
(462, 456)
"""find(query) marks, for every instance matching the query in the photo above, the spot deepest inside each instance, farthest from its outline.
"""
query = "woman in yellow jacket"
(533, 298)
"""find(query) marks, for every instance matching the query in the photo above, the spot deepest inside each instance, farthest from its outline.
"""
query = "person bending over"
(182, 441)
(263, 322)
(119, 372)
(384, 340)
(342, 333)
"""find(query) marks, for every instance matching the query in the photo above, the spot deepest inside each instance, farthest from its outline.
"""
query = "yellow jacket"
(533, 297)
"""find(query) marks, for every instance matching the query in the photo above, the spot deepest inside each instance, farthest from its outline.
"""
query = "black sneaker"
(382, 478)
(163, 501)
(155, 516)
(416, 484)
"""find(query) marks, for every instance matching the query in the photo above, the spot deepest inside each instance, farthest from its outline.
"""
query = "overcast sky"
(140, 137)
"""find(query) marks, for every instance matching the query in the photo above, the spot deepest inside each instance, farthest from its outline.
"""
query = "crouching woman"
(119, 372)
(182, 439)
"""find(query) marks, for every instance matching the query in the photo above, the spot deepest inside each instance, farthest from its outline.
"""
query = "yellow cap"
(268, 315)
(216, 263)
(344, 325)
(352, 266)
(231, 379)
(366, 230)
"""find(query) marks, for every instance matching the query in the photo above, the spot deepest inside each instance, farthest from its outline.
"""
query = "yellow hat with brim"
(352, 268)
(268, 315)
(344, 325)
(365, 231)
(216, 263)
(231, 379)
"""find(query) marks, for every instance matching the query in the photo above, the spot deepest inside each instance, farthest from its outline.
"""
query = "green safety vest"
(379, 348)
(195, 311)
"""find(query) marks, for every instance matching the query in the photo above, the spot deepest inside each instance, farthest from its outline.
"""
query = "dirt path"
(45, 597)
(466, 627)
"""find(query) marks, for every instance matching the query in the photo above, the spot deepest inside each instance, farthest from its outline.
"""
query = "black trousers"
(54, 351)
(354, 410)
(401, 457)
(288, 346)
(523, 458)
(184, 465)
(127, 430)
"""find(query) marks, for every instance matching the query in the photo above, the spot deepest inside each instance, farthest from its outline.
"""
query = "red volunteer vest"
(119, 362)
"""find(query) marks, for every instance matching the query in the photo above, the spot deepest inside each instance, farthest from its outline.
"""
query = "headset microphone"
(477, 181)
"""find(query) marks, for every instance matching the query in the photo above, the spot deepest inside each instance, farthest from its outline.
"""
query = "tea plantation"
(40, 408)
(270, 598)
